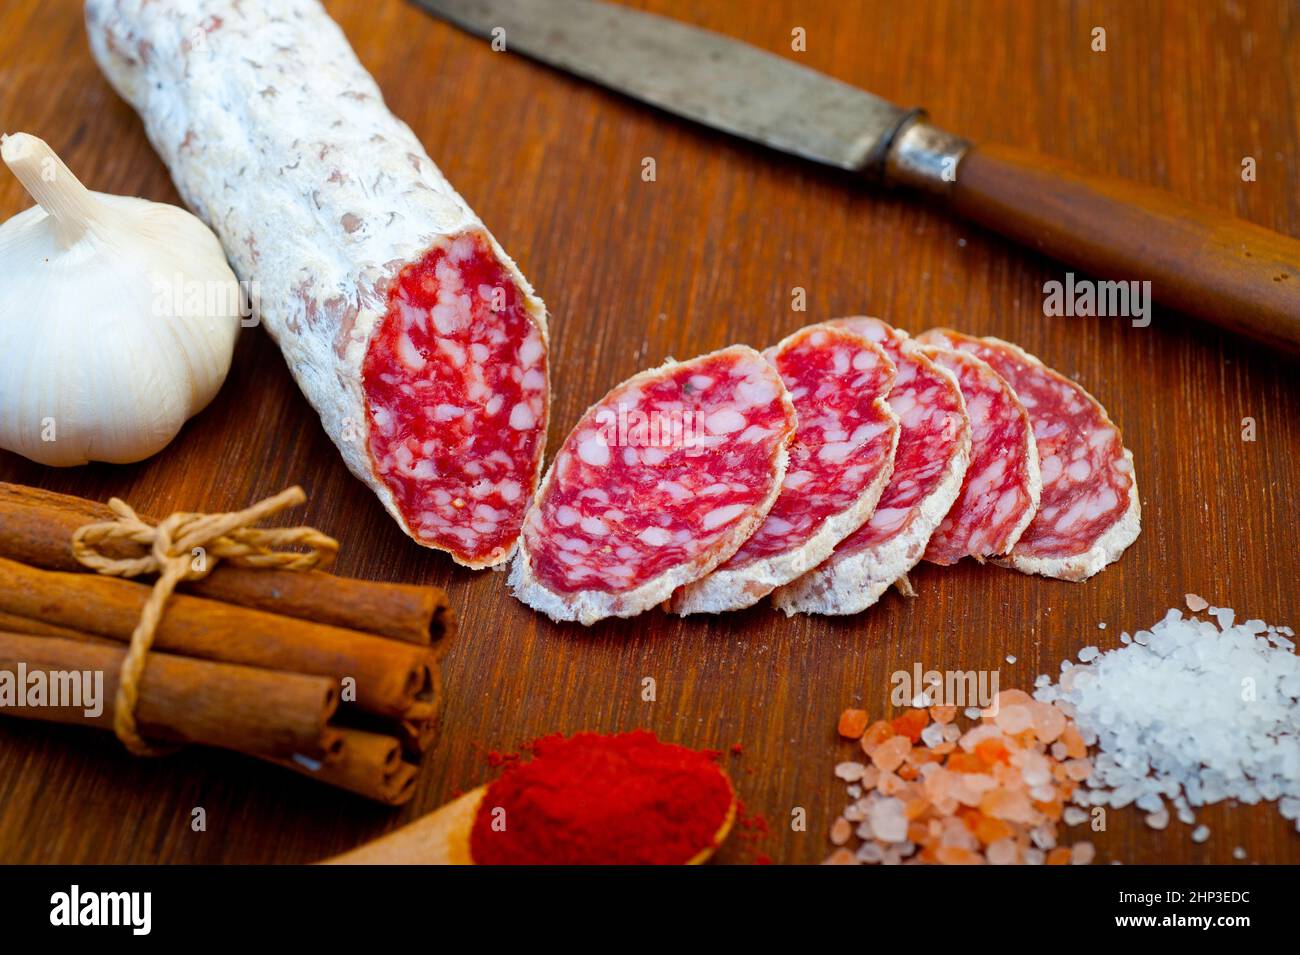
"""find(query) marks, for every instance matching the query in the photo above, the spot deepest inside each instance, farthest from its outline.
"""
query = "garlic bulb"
(118, 317)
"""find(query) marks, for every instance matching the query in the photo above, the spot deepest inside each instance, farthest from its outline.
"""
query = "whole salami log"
(1000, 493)
(933, 453)
(410, 331)
(1089, 511)
(659, 483)
(840, 461)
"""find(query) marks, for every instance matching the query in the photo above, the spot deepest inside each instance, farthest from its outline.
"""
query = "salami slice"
(660, 482)
(1000, 492)
(1089, 512)
(411, 332)
(840, 460)
(933, 453)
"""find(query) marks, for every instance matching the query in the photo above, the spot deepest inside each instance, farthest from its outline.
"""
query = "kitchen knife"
(1198, 260)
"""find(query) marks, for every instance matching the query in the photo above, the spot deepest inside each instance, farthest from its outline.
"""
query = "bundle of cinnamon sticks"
(332, 677)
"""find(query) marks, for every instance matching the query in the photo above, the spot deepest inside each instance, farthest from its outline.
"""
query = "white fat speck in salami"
(1000, 493)
(840, 460)
(411, 332)
(931, 460)
(659, 483)
(1088, 513)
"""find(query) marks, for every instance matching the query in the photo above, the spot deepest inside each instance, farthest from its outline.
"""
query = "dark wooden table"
(705, 256)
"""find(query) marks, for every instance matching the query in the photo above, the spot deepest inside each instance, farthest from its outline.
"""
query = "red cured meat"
(840, 461)
(355, 249)
(933, 453)
(660, 482)
(455, 385)
(1089, 512)
(999, 495)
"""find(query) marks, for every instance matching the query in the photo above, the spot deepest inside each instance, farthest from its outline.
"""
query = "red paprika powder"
(602, 800)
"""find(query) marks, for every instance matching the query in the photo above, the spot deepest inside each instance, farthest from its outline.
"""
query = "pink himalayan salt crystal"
(972, 738)
(1014, 719)
(889, 820)
(890, 784)
(841, 831)
(849, 771)
(953, 855)
(1035, 768)
(956, 834)
(1002, 852)
(840, 857)
(1195, 602)
(943, 714)
(1049, 722)
(890, 754)
(1011, 698)
(1013, 805)
(1083, 853)
(1078, 769)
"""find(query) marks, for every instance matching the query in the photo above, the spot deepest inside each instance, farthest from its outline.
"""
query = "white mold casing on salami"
(840, 461)
(658, 483)
(1000, 493)
(1087, 517)
(929, 465)
(277, 136)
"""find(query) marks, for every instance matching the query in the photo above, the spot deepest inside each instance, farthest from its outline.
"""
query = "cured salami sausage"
(1000, 492)
(411, 332)
(932, 456)
(1089, 512)
(840, 459)
(660, 482)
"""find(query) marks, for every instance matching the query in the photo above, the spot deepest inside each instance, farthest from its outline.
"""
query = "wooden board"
(706, 255)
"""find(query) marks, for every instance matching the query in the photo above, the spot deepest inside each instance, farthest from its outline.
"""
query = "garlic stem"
(53, 186)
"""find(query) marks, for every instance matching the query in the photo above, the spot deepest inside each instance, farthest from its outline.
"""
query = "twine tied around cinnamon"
(187, 546)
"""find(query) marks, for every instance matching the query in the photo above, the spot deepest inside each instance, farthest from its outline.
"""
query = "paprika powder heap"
(626, 799)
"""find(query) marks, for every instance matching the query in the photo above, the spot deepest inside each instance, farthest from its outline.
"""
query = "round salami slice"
(840, 460)
(999, 495)
(658, 484)
(931, 460)
(414, 336)
(1089, 511)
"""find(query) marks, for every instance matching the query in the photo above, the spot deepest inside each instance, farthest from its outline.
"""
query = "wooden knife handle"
(1206, 263)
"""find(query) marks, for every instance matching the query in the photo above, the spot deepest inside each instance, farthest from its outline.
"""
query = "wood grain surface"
(707, 255)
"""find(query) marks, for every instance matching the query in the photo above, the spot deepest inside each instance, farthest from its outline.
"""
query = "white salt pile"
(1188, 714)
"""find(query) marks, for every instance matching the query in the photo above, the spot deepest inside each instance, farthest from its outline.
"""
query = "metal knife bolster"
(920, 156)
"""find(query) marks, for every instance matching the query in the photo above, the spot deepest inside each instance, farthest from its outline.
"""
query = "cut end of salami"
(658, 484)
(414, 336)
(840, 461)
(931, 460)
(1088, 513)
(455, 383)
(1000, 493)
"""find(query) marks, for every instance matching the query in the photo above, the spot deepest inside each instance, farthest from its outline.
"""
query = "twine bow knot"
(187, 546)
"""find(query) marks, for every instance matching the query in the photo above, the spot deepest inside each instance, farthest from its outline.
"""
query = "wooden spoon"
(442, 838)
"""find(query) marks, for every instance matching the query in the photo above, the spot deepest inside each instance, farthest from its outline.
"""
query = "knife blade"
(692, 72)
(1201, 261)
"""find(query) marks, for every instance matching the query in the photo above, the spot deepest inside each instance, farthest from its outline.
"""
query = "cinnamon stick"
(15, 623)
(369, 764)
(416, 732)
(36, 528)
(275, 715)
(391, 677)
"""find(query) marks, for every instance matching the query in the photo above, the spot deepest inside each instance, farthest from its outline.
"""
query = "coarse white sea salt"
(1188, 714)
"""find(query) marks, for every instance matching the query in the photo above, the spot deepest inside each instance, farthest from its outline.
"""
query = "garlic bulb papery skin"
(118, 318)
